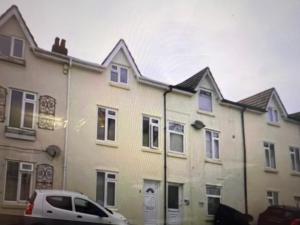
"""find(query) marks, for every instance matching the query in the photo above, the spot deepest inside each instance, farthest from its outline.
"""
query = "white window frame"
(272, 197)
(294, 159)
(212, 195)
(12, 46)
(24, 100)
(268, 150)
(151, 127)
(211, 95)
(20, 172)
(212, 132)
(108, 116)
(106, 181)
(118, 71)
(176, 132)
(273, 115)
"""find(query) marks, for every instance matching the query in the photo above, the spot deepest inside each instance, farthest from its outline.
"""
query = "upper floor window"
(150, 132)
(212, 144)
(272, 197)
(295, 158)
(176, 137)
(22, 109)
(18, 181)
(11, 46)
(273, 115)
(270, 155)
(119, 74)
(205, 100)
(106, 126)
(106, 188)
(213, 194)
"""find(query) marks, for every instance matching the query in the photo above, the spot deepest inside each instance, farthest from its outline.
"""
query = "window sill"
(177, 155)
(271, 170)
(205, 113)
(209, 218)
(213, 161)
(107, 143)
(14, 60)
(151, 150)
(13, 205)
(119, 85)
(18, 133)
(295, 173)
(273, 124)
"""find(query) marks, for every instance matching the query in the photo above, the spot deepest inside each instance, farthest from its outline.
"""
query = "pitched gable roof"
(121, 45)
(259, 100)
(191, 84)
(13, 11)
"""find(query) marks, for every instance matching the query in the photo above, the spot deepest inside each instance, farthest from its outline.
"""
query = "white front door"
(175, 213)
(151, 202)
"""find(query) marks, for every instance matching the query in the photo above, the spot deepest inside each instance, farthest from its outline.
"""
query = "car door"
(87, 212)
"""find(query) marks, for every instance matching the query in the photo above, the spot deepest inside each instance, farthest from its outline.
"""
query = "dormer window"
(205, 100)
(273, 115)
(11, 47)
(119, 74)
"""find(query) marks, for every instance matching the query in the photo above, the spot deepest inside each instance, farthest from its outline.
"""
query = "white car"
(57, 207)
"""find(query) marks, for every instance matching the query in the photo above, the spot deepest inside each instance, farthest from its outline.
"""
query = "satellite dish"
(53, 150)
(198, 125)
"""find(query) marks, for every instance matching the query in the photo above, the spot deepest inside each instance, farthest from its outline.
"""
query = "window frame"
(106, 181)
(18, 200)
(151, 126)
(213, 151)
(211, 98)
(118, 71)
(294, 160)
(175, 132)
(12, 47)
(24, 101)
(272, 197)
(268, 149)
(107, 117)
(212, 196)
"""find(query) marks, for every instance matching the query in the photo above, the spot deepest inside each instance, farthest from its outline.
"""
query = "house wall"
(261, 180)
(44, 78)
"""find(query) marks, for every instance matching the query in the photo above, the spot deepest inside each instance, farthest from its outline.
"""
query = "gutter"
(67, 126)
(165, 153)
(244, 160)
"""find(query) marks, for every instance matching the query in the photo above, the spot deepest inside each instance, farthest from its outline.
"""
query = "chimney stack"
(60, 47)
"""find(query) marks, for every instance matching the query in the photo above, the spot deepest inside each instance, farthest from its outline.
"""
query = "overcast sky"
(249, 46)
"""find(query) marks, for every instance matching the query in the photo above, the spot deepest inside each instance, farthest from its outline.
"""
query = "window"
(150, 132)
(173, 196)
(106, 127)
(272, 197)
(176, 137)
(297, 201)
(212, 144)
(119, 74)
(273, 115)
(18, 181)
(205, 100)
(11, 46)
(295, 158)
(85, 206)
(106, 189)
(61, 202)
(22, 109)
(213, 194)
(270, 155)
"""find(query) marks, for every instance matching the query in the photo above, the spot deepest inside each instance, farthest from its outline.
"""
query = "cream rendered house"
(273, 153)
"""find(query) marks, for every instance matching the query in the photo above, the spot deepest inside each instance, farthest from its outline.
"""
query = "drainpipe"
(67, 125)
(165, 153)
(244, 160)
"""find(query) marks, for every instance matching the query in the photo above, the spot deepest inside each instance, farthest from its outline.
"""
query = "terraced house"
(150, 150)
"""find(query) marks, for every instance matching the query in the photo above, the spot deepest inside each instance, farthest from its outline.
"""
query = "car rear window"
(61, 202)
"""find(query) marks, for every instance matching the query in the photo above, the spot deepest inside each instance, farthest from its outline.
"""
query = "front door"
(175, 213)
(151, 202)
